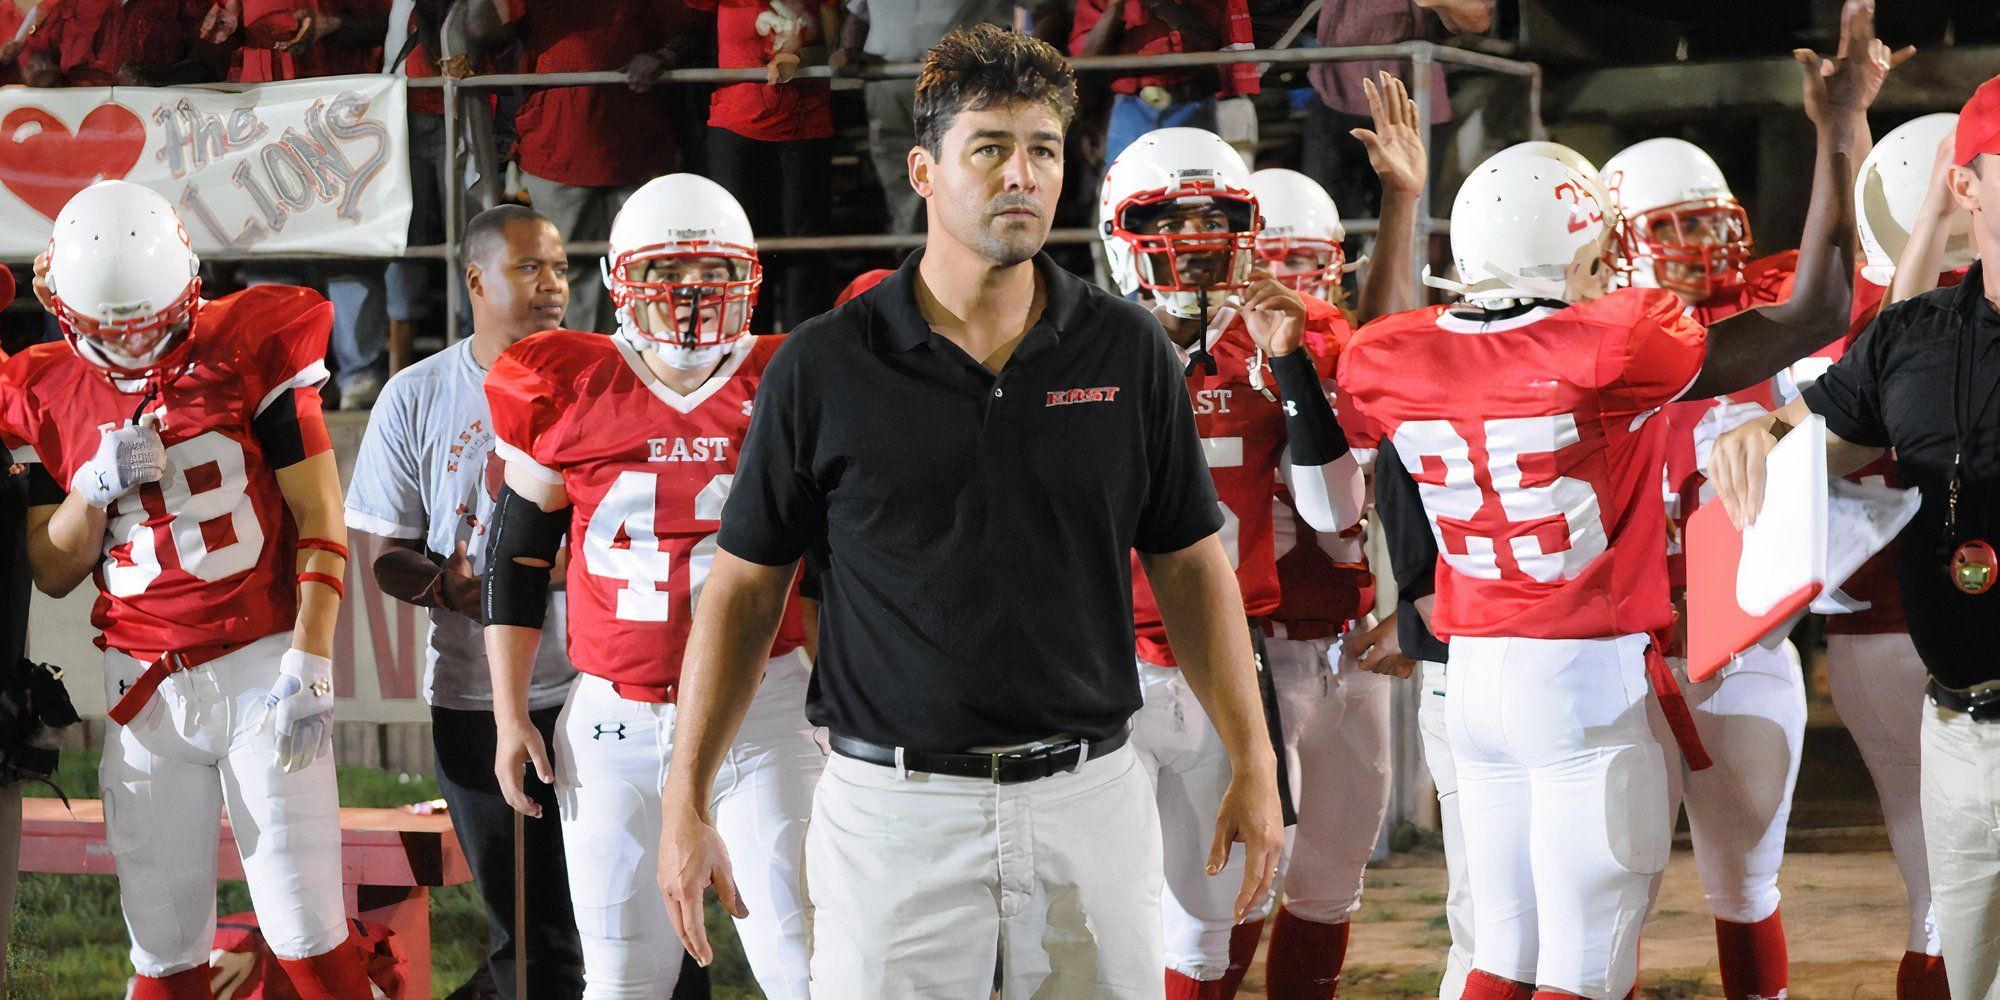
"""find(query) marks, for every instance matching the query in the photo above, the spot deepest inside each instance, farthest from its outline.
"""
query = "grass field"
(69, 941)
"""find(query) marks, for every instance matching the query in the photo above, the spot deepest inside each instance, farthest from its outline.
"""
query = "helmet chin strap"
(691, 332)
(1198, 354)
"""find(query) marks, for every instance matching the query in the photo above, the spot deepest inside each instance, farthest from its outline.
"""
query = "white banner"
(309, 166)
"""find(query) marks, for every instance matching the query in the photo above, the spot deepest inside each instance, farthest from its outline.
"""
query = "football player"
(1540, 478)
(1334, 714)
(1180, 224)
(628, 444)
(202, 496)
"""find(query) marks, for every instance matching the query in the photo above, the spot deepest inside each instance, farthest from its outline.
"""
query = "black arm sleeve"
(43, 488)
(1412, 551)
(1310, 427)
(517, 594)
(278, 430)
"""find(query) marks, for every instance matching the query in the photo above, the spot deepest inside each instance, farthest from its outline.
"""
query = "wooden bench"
(389, 861)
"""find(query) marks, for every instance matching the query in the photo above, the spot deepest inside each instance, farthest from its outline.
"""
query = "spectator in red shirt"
(17, 19)
(769, 143)
(98, 43)
(584, 150)
(1141, 104)
(1329, 154)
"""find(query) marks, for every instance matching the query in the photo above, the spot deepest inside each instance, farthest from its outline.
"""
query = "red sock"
(188, 984)
(1921, 977)
(1243, 940)
(1305, 958)
(1754, 966)
(338, 974)
(1482, 985)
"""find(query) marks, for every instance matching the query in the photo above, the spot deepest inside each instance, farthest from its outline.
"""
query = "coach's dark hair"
(486, 234)
(985, 66)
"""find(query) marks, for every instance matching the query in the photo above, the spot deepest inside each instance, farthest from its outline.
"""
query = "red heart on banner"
(44, 164)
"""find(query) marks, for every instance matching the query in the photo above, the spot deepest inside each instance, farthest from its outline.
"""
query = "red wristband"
(339, 589)
(324, 545)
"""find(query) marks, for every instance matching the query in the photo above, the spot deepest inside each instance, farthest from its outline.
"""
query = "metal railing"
(1422, 55)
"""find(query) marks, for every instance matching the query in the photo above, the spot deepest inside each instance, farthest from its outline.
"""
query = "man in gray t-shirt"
(425, 483)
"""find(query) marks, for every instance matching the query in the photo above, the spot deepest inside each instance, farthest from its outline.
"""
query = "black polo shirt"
(1895, 389)
(974, 532)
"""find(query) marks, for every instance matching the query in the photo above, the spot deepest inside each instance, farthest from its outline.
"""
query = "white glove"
(300, 707)
(127, 458)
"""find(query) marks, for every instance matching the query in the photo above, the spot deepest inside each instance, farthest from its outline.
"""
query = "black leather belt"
(1000, 768)
(1982, 701)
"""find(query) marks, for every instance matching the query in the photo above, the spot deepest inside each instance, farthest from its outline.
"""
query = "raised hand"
(1845, 85)
(1396, 143)
(1274, 315)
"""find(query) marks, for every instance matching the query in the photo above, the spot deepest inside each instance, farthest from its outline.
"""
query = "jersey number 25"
(1497, 518)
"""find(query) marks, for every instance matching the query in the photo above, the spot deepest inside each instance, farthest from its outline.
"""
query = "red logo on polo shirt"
(1100, 394)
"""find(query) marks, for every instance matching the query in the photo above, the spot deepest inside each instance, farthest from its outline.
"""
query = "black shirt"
(14, 576)
(974, 532)
(1897, 388)
(1413, 552)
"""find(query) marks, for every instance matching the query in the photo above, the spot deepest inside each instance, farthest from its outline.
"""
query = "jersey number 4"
(621, 544)
(1507, 516)
(205, 508)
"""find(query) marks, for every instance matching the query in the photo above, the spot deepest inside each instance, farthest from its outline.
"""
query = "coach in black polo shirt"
(1924, 382)
(979, 442)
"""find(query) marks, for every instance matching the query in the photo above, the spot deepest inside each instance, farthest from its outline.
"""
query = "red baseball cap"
(1978, 124)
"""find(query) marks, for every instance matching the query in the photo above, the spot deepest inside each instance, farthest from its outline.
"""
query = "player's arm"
(1327, 486)
(1753, 345)
(1923, 256)
(311, 489)
(1202, 608)
(63, 543)
(742, 605)
(1396, 151)
(528, 527)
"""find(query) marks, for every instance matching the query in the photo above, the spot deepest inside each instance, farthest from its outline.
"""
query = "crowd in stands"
(786, 147)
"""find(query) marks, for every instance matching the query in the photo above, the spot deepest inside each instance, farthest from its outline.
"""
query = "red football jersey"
(646, 471)
(1537, 448)
(206, 555)
(1242, 432)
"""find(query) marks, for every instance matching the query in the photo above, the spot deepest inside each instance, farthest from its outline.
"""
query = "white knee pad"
(1638, 830)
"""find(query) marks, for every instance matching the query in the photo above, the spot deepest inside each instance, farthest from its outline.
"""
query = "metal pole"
(1536, 130)
(1420, 92)
(454, 179)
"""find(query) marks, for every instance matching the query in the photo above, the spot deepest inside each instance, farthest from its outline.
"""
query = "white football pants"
(1563, 779)
(1961, 807)
(1335, 718)
(611, 758)
(1878, 688)
(1444, 775)
(193, 750)
(1751, 716)
(1183, 755)
(922, 884)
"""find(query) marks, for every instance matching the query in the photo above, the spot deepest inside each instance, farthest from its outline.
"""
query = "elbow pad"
(514, 594)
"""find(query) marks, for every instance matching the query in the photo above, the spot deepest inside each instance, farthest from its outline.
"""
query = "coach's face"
(994, 183)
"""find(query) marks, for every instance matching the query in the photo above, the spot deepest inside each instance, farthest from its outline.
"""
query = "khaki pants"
(1961, 803)
(10, 863)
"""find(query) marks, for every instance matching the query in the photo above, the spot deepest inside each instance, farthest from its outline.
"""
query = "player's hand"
(1378, 649)
(1736, 468)
(1274, 314)
(1841, 88)
(304, 37)
(518, 744)
(459, 589)
(693, 858)
(127, 458)
(1395, 144)
(850, 62)
(221, 22)
(1250, 816)
(782, 66)
(300, 709)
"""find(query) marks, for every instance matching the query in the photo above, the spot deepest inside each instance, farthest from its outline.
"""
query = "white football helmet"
(123, 281)
(1889, 194)
(1555, 151)
(1520, 224)
(688, 321)
(1300, 219)
(1162, 172)
(1679, 227)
